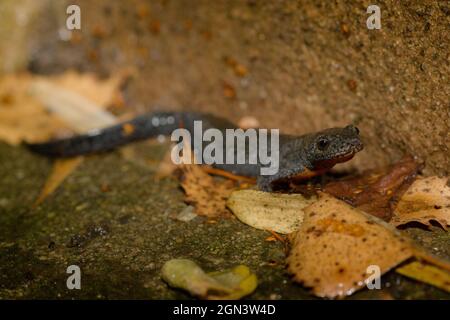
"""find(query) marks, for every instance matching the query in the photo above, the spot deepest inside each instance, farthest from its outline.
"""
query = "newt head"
(326, 148)
(313, 154)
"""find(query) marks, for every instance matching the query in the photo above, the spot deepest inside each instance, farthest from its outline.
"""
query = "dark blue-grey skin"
(300, 157)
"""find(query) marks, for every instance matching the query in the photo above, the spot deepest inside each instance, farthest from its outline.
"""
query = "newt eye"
(353, 128)
(323, 143)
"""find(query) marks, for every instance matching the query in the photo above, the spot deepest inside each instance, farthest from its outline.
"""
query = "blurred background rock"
(295, 65)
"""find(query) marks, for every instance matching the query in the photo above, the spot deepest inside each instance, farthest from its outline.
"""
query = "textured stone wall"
(295, 65)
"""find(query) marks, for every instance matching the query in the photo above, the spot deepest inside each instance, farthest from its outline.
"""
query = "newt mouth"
(329, 163)
(345, 157)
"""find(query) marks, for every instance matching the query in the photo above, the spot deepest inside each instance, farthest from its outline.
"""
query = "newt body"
(300, 157)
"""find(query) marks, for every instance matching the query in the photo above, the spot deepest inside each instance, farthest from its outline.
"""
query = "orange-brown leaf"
(206, 194)
(336, 244)
(25, 117)
(426, 200)
(376, 191)
(60, 170)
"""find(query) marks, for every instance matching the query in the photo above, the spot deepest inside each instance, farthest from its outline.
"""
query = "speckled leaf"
(230, 284)
(278, 212)
(207, 195)
(337, 243)
(426, 200)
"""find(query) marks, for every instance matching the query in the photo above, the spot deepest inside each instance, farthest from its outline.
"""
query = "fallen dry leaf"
(225, 285)
(21, 116)
(376, 191)
(207, 195)
(282, 213)
(102, 92)
(61, 169)
(243, 180)
(78, 112)
(25, 117)
(335, 245)
(427, 273)
(426, 200)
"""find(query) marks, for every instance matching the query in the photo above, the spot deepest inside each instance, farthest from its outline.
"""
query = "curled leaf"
(336, 244)
(230, 284)
(426, 200)
(282, 213)
(376, 191)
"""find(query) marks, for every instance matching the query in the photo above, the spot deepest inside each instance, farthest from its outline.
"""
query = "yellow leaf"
(282, 213)
(429, 274)
(224, 285)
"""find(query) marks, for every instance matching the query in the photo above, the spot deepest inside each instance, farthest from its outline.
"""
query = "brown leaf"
(206, 194)
(336, 244)
(376, 191)
(60, 170)
(426, 200)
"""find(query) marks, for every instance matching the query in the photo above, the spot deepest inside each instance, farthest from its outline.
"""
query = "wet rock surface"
(299, 66)
(121, 236)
